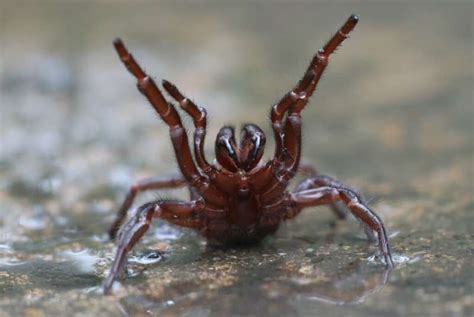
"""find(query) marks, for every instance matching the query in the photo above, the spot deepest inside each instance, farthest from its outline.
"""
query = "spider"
(238, 199)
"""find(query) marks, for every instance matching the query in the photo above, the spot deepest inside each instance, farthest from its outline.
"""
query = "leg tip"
(120, 47)
(389, 263)
(107, 286)
(169, 87)
(354, 18)
(118, 42)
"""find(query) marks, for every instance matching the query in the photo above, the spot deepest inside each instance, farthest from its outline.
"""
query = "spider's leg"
(170, 116)
(319, 180)
(218, 177)
(151, 183)
(331, 194)
(281, 170)
(263, 177)
(316, 181)
(279, 110)
(321, 58)
(181, 213)
(288, 132)
(317, 65)
(199, 116)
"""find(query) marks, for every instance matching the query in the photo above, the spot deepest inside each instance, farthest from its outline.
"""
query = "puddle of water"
(398, 259)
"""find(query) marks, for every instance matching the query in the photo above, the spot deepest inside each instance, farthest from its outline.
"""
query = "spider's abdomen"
(243, 211)
(243, 224)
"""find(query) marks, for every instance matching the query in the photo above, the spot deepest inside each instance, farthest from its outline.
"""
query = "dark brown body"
(245, 222)
(239, 199)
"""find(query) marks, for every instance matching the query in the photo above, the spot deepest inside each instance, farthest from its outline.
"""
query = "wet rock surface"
(393, 116)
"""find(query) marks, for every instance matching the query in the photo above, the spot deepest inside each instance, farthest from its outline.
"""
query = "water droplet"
(400, 259)
(5, 248)
(147, 258)
(393, 234)
(397, 259)
(94, 290)
(11, 261)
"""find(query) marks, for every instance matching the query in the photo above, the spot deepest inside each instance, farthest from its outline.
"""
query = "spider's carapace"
(239, 199)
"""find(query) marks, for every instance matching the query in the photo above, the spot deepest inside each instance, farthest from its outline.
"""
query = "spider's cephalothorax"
(238, 199)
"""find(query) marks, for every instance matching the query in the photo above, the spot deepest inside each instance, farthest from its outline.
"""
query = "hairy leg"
(199, 116)
(319, 180)
(330, 194)
(151, 183)
(182, 213)
(288, 132)
(292, 139)
(170, 116)
(297, 98)
(316, 181)
(278, 111)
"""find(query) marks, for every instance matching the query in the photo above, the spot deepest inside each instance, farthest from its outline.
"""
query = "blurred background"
(393, 116)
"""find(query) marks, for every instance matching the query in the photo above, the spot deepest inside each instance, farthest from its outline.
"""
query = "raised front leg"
(297, 98)
(277, 114)
(292, 128)
(151, 183)
(181, 213)
(330, 194)
(178, 135)
(288, 131)
(199, 116)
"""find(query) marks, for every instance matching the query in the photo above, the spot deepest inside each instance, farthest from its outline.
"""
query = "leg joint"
(135, 188)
